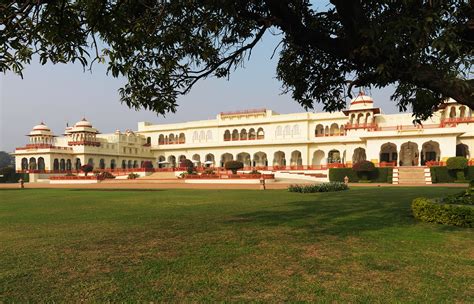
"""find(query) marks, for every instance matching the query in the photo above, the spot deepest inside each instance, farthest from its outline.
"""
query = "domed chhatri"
(41, 130)
(83, 123)
(41, 127)
(362, 101)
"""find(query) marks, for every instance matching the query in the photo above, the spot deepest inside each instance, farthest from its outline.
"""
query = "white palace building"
(260, 138)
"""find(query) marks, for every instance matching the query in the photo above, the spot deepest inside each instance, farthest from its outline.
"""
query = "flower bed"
(229, 176)
(89, 177)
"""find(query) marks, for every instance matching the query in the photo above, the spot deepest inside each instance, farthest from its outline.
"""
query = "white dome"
(83, 123)
(41, 127)
(362, 101)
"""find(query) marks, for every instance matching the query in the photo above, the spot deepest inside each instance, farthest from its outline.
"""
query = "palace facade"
(261, 138)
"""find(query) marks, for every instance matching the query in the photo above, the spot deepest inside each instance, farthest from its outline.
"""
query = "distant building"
(261, 138)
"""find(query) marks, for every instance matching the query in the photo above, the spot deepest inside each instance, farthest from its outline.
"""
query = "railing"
(84, 143)
(230, 176)
(258, 137)
(42, 146)
(250, 111)
(177, 142)
(456, 120)
(388, 164)
(369, 126)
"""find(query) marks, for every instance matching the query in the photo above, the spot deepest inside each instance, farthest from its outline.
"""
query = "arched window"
(182, 138)
(252, 135)
(78, 164)
(148, 140)
(195, 136)
(41, 165)
(56, 164)
(202, 136)
(235, 134)
(161, 139)
(226, 135)
(260, 133)
(209, 135)
(62, 164)
(102, 163)
(319, 131)
(243, 134)
(278, 131)
(296, 130)
(287, 131)
(171, 139)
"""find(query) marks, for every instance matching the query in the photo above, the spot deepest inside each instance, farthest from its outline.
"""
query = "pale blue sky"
(64, 93)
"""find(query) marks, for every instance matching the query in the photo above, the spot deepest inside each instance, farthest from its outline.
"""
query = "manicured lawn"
(360, 245)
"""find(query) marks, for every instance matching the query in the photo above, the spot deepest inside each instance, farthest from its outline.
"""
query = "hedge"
(324, 187)
(444, 175)
(427, 211)
(379, 175)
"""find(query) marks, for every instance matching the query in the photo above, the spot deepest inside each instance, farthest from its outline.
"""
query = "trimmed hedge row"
(444, 175)
(324, 187)
(379, 175)
(427, 211)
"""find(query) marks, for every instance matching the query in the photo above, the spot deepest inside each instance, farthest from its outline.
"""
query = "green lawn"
(360, 245)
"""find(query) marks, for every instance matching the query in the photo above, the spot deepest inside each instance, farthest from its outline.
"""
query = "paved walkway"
(179, 184)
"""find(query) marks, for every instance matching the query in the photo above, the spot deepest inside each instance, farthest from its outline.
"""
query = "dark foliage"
(233, 165)
(163, 48)
(447, 214)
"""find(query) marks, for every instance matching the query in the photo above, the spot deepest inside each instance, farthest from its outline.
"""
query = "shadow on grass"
(338, 214)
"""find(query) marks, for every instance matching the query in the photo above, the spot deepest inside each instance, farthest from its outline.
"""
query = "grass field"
(360, 245)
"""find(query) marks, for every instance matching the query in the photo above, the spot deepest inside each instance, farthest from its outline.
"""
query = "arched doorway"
(279, 158)
(388, 153)
(296, 159)
(135, 164)
(359, 155)
(68, 165)
(225, 158)
(196, 160)
(182, 159)
(209, 160)
(318, 158)
(102, 163)
(56, 164)
(124, 164)
(91, 162)
(430, 152)
(244, 158)
(41, 166)
(32, 163)
(129, 164)
(172, 161)
(334, 156)
(409, 154)
(161, 161)
(78, 164)
(112, 164)
(462, 150)
(62, 165)
(334, 129)
(260, 159)
(24, 163)
(235, 134)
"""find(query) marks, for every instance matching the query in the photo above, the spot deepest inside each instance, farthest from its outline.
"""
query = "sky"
(61, 94)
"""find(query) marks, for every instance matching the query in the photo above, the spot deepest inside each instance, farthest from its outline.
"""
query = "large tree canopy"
(423, 47)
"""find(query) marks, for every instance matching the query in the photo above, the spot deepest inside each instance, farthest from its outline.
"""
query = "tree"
(458, 164)
(86, 169)
(164, 47)
(6, 160)
(233, 166)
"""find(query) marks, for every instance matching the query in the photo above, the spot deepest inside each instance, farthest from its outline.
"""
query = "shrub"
(364, 168)
(255, 172)
(147, 164)
(133, 176)
(428, 211)
(441, 175)
(458, 164)
(379, 175)
(86, 169)
(324, 187)
(233, 165)
(105, 175)
(209, 171)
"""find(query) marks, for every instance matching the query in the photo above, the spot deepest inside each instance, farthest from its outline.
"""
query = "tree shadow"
(338, 214)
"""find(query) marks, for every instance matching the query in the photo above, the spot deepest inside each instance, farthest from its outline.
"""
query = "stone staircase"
(411, 175)
(160, 175)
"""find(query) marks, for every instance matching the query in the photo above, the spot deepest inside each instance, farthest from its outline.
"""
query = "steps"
(411, 175)
(160, 175)
(303, 176)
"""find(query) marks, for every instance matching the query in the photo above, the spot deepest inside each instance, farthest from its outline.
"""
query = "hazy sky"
(63, 94)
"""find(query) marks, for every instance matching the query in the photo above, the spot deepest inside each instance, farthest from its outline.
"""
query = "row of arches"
(202, 136)
(361, 118)
(171, 139)
(287, 131)
(332, 130)
(244, 135)
(458, 112)
(67, 164)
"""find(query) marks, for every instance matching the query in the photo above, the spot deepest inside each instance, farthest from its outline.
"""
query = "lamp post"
(262, 183)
